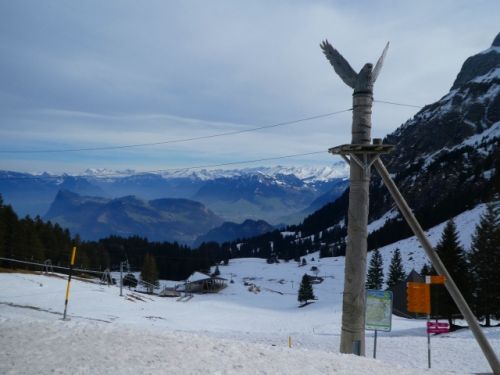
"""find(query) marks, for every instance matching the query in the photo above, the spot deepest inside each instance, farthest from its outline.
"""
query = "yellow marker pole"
(289, 341)
(71, 264)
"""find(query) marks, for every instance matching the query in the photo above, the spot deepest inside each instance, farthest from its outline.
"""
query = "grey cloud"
(111, 67)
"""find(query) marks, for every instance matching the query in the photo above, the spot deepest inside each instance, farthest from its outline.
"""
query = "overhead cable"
(180, 140)
(399, 104)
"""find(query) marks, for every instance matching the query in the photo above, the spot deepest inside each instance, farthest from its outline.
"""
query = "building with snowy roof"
(202, 283)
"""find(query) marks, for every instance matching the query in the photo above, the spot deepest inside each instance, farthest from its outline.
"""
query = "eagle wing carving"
(380, 62)
(340, 65)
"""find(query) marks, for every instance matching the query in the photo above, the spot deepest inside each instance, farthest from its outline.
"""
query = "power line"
(180, 140)
(398, 104)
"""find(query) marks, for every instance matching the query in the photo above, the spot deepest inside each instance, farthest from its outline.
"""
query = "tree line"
(32, 239)
(476, 272)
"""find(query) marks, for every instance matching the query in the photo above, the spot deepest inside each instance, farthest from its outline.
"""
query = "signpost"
(378, 314)
(418, 298)
(437, 327)
(419, 301)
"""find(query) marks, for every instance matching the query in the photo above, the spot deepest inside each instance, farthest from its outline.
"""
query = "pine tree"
(305, 290)
(2, 230)
(453, 257)
(426, 270)
(396, 271)
(129, 280)
(13, 237)
(216, 271)
(29, 244)
(149, 273)
(375, 277)
(485, 264)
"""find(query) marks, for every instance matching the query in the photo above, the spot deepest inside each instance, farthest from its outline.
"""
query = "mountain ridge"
(33, 194)
(445, 162)
(168, 219)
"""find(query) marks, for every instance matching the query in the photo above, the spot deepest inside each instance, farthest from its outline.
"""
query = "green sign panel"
(378, 315)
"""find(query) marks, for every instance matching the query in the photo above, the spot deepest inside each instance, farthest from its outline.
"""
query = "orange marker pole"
(71, 264)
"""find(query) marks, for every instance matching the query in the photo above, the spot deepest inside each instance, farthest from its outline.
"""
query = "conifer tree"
(29, 244)
(453, 257)
(2, 229)
(305, 290)
(216, 271)
(396, 271)
(375, 277)
(426, 270)
(129, 280)
(485, 264)
(149, 272)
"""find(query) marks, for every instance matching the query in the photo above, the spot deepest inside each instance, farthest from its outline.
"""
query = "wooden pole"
(352, 337)
(439, 267)
(353, 302)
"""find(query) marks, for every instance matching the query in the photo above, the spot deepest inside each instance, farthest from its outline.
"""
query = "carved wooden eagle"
(360, 82)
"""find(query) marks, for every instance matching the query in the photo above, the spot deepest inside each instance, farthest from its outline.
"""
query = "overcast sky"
(83, 74)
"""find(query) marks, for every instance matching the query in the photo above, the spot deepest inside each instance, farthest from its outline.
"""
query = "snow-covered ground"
(237, 331)
(414, 256)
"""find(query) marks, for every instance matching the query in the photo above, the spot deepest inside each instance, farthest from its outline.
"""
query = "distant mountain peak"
(496, 41)
(479, 65)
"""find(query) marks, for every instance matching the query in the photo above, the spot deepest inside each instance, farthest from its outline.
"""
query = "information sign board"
(378, 316)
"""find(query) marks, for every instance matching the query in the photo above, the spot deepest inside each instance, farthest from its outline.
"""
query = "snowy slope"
(413, 255)
(242, 330)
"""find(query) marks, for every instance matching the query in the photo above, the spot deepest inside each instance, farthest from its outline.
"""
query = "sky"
(104, 74)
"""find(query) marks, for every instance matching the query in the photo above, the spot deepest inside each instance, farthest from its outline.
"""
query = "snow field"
(236, 331)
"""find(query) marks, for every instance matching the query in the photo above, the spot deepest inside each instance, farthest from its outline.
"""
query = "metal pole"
(428, 342)
(72, 262)
(121, 278)
(440, 268)
(375, 345)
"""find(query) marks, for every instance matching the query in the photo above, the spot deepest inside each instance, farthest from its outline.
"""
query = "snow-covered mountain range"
(308, 174)
(275, 194)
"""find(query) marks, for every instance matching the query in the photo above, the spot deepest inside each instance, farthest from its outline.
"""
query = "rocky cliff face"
(447, 156)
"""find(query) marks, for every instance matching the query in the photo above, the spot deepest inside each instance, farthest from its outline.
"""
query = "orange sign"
(418, 298)
(435, 279)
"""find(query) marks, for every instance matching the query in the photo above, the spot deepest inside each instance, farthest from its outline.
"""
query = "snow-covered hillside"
(413, 255)
(242, 330)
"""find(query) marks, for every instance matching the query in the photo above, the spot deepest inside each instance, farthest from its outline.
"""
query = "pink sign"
(437, 327)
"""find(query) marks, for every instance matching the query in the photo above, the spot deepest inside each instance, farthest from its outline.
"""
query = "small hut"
(169, 292)
(202, 283)
(399, 295)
